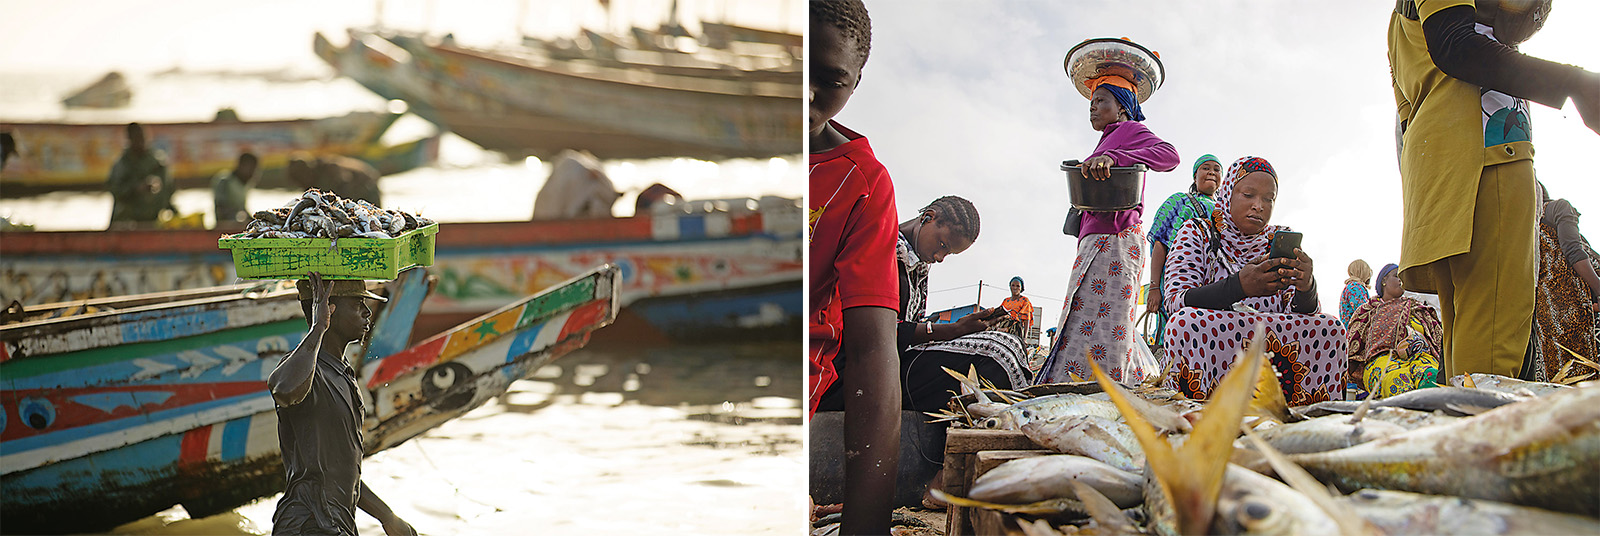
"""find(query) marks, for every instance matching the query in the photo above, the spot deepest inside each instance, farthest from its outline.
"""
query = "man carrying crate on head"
(319, 418)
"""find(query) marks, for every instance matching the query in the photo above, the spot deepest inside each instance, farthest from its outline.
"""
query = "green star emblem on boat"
(485, 329)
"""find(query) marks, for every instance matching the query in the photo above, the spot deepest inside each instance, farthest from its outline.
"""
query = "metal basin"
(1124, 190)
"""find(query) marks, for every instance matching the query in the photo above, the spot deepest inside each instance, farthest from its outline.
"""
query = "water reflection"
(760, 375)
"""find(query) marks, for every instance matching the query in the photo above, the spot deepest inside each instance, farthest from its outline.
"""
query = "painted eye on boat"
(37, 413)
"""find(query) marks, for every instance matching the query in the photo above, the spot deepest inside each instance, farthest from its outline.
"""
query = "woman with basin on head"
(1220, 284)
(1394, 341)
(1179, 207)
(1097, 320)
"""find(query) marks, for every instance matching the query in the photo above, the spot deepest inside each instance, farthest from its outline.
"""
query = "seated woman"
(945, 227)
(1394, 341)
(1220, 284)
(1019, 312)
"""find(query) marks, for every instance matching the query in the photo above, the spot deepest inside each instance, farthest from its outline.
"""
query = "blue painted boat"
(148, 401)
(731, 269)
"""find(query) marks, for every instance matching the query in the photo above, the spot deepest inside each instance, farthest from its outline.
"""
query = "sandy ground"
(577, 464)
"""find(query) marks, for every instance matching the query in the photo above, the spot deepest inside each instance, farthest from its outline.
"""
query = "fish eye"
(1255, 511)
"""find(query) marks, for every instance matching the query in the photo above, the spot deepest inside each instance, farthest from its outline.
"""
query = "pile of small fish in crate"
(1485, 455)
(318, 214)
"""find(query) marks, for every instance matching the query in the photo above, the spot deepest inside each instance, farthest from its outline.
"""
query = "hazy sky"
(99, 35)
(970, 99)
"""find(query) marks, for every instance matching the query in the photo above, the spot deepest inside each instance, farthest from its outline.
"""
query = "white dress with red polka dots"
(1308, 350)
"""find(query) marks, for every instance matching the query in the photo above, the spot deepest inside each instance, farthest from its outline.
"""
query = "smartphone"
(1283, 245)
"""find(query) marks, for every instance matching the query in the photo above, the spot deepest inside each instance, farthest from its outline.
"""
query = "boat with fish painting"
(730, 269)
(135, 404)
(71, 156)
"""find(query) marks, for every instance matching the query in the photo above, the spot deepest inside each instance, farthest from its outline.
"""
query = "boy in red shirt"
(855, 290)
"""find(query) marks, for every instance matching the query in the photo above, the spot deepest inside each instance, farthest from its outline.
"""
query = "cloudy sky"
(970, 99)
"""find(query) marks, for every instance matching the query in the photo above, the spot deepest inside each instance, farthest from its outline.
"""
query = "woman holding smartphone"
(1226, 275)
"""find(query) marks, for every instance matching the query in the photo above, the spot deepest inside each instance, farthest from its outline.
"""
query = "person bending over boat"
(319, 418)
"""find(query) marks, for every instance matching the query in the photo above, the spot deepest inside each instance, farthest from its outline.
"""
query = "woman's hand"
(1264, 277)
(1097, 168)
(1152, 299)
(975, 322)
(1298, 270)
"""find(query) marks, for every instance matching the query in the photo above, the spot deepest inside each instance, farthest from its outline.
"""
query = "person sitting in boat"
(1394, 341)
(348, 177)
(140, 184)
(319, 418)
(230, 189)
(577, 188)
(1220, 285)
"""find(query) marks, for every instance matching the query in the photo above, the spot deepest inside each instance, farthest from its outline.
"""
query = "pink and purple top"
(1128, 143)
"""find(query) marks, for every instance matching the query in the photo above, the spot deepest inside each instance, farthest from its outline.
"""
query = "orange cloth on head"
(1115, 80)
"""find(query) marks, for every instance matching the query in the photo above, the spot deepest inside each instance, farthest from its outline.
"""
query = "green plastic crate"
(353, 258)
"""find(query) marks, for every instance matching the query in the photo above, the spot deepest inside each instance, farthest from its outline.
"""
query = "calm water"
(615, 441)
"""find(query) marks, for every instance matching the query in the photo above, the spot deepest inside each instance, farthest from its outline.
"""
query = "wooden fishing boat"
(508, 104)
(61, 156)
(733, 272)
(112, 416)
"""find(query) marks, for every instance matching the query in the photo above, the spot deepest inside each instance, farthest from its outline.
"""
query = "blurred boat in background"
(111, 91)
(68, 156)
(524, 103)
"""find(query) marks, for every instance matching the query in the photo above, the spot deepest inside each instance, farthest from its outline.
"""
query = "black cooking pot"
(1120, 192)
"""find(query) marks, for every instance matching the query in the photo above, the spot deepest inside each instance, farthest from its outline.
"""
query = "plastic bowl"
(1124, 190)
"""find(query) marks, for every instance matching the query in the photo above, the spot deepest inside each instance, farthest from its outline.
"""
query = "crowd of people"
(1470, 238)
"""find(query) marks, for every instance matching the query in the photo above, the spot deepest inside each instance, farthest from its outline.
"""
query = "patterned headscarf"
(1239, 248)
(1018, 281)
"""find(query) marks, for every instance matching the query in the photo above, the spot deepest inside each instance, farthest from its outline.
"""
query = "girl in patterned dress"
(1097, 320)
(1220, 285)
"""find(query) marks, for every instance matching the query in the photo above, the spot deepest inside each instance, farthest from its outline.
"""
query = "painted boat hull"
(507, 104)
(186, 419)
(481, 266)
(79, 156)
